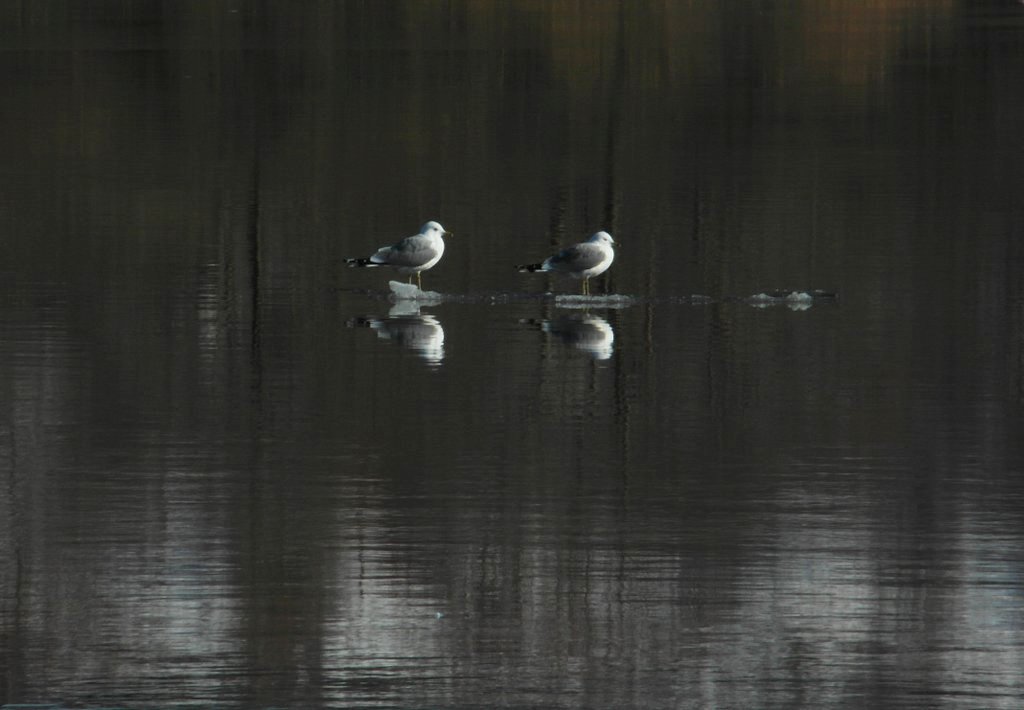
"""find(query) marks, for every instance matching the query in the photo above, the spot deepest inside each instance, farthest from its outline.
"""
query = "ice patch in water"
(410, 292)
(794, 300)
(608, 301)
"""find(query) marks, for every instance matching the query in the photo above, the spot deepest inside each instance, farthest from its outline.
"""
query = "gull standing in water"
(412, 255)
(581, 261)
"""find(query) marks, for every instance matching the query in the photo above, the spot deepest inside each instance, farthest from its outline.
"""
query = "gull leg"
(586, 287)
(419, 280)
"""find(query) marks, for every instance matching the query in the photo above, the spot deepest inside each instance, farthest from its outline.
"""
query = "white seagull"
(580, 261)
(412, 255)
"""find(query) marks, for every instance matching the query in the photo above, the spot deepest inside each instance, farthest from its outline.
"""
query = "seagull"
(411, 255)
(580, 261)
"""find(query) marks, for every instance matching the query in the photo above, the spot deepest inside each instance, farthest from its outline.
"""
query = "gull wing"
(577, 258)
(410, 252)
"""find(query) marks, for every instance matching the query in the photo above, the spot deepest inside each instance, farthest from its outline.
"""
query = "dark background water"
(233, 473)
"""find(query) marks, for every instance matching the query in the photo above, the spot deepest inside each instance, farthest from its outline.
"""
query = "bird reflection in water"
(420, 332)
(591, 334)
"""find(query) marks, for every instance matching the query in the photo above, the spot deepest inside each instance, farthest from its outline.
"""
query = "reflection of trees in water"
(189, 320)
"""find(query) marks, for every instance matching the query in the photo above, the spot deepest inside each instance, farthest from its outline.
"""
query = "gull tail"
(522, 268)
(365, 261)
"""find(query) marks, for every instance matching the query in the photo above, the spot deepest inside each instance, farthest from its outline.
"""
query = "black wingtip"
(523, 268)
(360, 262)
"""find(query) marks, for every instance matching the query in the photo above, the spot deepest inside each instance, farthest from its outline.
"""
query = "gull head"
(433, 227)
(602, 238)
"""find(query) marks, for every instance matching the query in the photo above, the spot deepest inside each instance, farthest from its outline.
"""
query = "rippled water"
(236, 473)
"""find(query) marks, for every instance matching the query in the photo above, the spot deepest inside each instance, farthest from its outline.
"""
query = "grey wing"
(577, 258)
(410, 252)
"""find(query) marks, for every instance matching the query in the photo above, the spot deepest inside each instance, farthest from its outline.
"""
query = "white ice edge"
(606, 301)
(411, 292)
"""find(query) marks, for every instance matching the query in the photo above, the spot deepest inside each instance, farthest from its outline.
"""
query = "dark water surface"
(234, 474)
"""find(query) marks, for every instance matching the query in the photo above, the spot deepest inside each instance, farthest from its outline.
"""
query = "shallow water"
(236, 473)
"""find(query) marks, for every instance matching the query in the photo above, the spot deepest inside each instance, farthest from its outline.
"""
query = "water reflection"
(420, 332)
(585, 332)
(743, 508)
